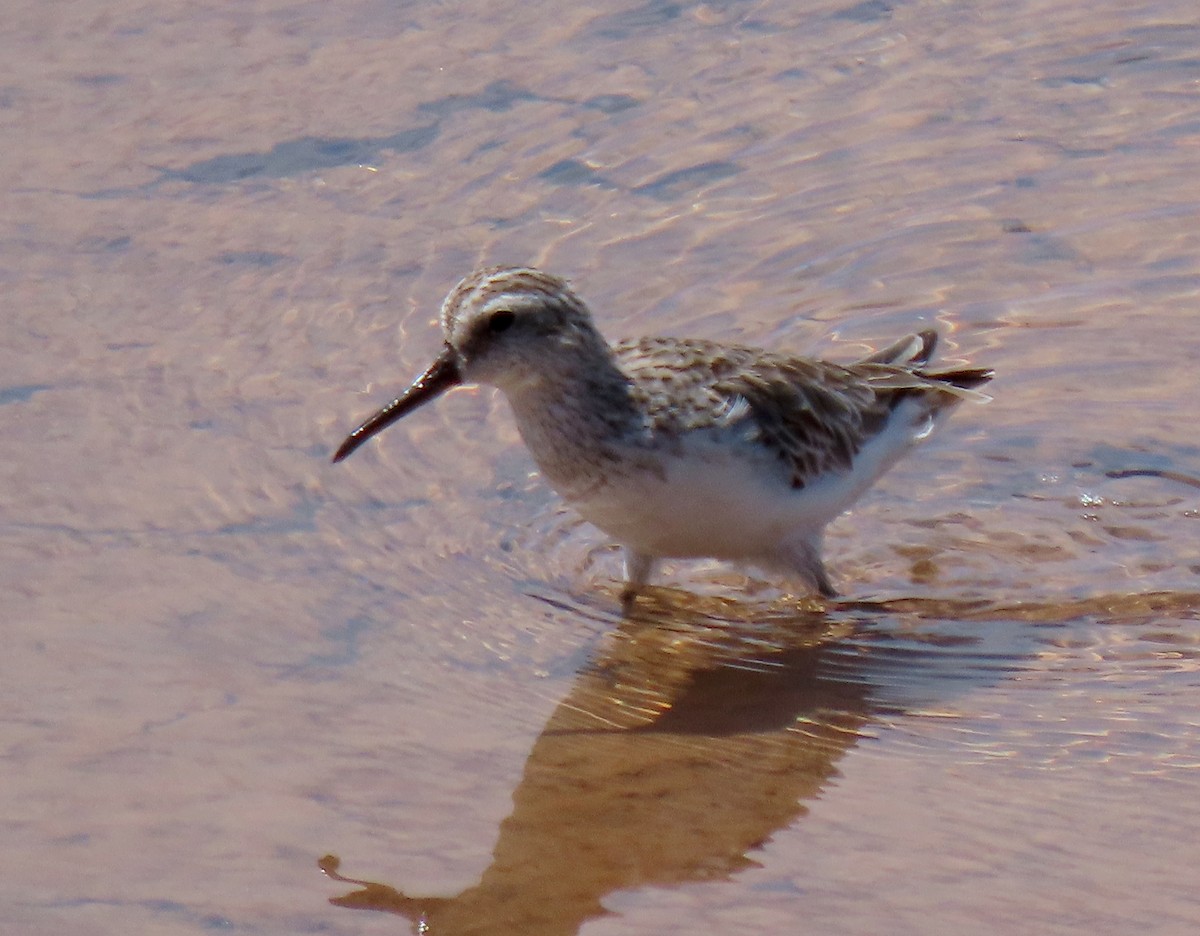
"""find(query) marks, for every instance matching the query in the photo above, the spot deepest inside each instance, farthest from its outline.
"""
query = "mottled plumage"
(684, 447)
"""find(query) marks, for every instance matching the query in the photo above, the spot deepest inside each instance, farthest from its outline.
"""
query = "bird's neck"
(574, 416)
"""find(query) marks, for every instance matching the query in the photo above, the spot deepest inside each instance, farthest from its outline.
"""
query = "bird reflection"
(699, 729)
(684, 744)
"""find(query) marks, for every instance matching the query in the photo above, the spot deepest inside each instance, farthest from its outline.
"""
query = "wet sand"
(226, 232)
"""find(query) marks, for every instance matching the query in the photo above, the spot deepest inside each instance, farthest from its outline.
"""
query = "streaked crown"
(503, 322)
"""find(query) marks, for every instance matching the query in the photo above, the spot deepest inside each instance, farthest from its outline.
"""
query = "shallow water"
(226, 658)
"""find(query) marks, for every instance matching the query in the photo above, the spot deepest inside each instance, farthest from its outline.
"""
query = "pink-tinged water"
(226, 229)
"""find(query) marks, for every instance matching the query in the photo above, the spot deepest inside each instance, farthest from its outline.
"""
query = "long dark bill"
(441, 375)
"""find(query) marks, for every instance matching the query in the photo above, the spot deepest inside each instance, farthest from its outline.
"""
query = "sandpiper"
(684, 447)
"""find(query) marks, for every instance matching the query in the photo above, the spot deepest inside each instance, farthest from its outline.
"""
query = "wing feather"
(813, 415)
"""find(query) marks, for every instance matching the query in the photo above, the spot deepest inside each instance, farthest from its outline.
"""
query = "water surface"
(226, 232)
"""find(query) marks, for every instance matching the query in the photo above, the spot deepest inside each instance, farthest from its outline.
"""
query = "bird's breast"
(700, 500)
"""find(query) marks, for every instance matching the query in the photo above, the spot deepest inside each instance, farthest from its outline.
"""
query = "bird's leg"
(803, 556)
(638, 569)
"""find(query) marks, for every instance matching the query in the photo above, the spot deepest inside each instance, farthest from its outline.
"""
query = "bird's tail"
(901, 368)
(965, 378)
(910, 351)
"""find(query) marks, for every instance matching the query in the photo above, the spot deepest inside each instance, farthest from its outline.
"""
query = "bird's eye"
(500, 321)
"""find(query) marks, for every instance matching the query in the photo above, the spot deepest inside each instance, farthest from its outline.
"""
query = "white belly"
(719, 501)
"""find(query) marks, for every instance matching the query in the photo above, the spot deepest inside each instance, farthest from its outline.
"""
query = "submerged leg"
(803, 556)
(638, 569)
